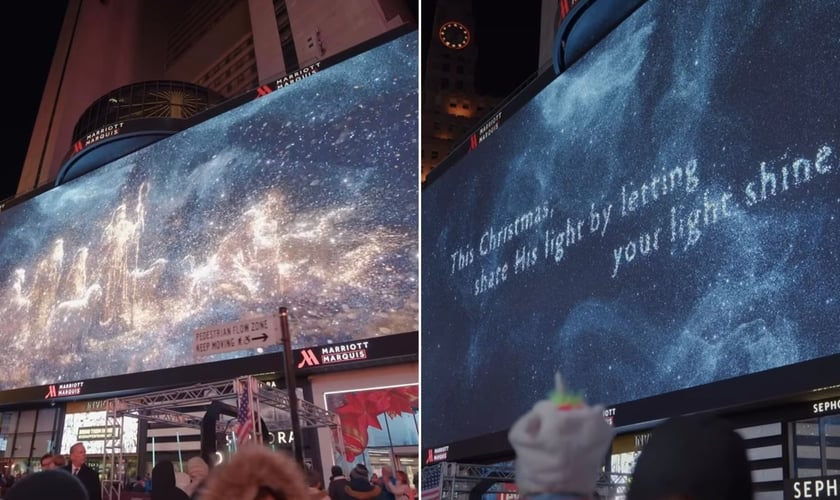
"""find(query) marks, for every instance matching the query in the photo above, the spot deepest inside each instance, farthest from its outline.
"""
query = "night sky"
(667, 210)
(507, 40)
(38, 24)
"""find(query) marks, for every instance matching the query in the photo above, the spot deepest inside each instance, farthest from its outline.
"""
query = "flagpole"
(180, 458)
(250, 387)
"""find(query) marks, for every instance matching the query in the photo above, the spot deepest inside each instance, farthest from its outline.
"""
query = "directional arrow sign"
(249, 333)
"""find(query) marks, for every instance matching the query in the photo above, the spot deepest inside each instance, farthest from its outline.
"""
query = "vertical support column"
(291, 386)
(267, 47)
(112, 452)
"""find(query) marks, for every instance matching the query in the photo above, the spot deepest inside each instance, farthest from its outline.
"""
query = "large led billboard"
(305, 198)
(664, 214)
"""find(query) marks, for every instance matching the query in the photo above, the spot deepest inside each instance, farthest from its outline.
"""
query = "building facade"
(335, 377)
(227, 46)
(453, 105)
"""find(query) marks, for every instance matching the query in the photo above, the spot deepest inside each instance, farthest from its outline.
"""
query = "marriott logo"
(340, 353)
(59, 390)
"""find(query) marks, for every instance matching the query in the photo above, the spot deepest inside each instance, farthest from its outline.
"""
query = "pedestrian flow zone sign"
(250, 333)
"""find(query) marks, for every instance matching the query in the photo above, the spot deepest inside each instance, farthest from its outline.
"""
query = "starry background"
(305, 198)
(723, 85)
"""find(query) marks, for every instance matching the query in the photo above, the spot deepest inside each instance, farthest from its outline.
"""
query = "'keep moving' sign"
(250, 333)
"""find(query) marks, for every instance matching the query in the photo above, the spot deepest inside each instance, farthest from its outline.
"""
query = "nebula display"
(664, 214)
(305, 198)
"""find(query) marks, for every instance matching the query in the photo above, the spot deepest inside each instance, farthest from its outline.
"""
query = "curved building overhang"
(132, 117)
(115, 141)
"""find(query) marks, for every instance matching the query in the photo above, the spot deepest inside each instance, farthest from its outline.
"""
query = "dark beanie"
(48, 485)
(336, 471)
(698, 457)
(359, 471)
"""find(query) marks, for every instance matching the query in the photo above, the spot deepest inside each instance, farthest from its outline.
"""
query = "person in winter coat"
(163, 483)
(402, 490)
(337, 483)
(560, 447)
(359, 487)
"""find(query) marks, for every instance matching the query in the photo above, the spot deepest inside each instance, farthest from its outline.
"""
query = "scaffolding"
(266, 405)
(460, 480)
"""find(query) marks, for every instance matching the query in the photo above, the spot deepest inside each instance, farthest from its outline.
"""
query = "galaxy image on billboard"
(662, 215)
(305, 199)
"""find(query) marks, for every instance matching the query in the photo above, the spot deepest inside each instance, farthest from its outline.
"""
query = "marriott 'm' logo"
(309, 359)
(62, 390)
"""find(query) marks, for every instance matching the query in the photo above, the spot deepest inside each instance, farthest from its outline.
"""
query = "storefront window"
(378, 427)
(816, 450)
(24, 437)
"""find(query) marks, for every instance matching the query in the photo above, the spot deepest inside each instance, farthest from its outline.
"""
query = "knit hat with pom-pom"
(560, 445)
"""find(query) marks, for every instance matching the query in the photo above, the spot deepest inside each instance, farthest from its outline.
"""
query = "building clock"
(454, 35)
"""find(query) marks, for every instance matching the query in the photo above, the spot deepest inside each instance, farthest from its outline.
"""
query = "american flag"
(431, 482)
(243, 428)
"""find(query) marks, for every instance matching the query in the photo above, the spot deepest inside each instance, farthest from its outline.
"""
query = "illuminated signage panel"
(89, 427)
(661, 216)
(304, 198)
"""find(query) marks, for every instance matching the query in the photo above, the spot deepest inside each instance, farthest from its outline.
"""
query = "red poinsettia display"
(361, 410)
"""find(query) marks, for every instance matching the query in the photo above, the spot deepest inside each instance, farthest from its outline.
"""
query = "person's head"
(78, 454)
(359, 472)
(387, 472)
(257, 473)
(197, 468)
(560, 445)
(48, 485)
(163, 479)
(47, 462)
(402, 477)
(314, 478)
(58, 460)
(336, 471)
(692, 458)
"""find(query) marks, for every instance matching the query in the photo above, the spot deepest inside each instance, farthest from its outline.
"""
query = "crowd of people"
(560, 446)
(561, 443)
(361, 485)
(255, 472)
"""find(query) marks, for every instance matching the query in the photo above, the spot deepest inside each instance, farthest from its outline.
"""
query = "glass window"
(816, 447)
(22, 445)
(758, 431)
(765, 452)
(46, 419)
(377, 425)
(27, 421)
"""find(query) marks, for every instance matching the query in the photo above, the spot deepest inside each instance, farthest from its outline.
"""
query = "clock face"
(454, 35)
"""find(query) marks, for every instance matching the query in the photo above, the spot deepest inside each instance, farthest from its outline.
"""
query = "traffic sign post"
(291, 387)
(249, 333)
